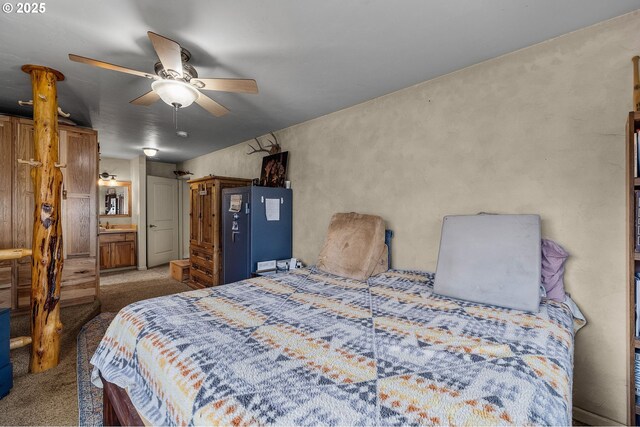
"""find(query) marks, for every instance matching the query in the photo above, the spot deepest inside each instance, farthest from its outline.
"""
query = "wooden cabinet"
(79, 151)
(6, 197)
(23, 207)
(105, 256)
(117, 250)
(205, 258)
(123, 254)
(79, 194)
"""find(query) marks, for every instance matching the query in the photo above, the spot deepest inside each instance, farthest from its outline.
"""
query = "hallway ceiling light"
(150, 152)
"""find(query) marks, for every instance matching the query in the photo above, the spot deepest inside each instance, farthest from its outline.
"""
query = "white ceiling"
(309, 57)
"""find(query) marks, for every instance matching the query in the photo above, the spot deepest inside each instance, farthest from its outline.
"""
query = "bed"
(309, 348)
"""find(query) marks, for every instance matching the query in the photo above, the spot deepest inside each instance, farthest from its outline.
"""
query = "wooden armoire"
(79, 151)
(205, 224)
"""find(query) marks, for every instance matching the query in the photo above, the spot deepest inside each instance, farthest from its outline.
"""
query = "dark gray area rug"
(51, 397)
(90, 396)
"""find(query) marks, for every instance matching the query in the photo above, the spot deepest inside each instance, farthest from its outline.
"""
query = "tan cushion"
(354, 246)
(382, 264)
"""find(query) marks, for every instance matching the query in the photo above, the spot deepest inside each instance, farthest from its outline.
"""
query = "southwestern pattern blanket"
(311, 348)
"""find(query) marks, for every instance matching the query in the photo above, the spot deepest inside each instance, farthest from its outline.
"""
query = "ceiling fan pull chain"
(175, 116)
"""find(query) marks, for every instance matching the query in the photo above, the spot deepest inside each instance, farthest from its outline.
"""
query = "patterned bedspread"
(309, 348)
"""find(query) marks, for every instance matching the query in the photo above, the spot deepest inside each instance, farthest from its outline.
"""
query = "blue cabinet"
(256, 226)
(6, 372)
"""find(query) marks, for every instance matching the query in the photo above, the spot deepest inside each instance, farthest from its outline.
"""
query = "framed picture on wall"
(274, 170)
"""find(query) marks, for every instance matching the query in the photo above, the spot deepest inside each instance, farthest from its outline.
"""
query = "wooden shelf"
(633, 264)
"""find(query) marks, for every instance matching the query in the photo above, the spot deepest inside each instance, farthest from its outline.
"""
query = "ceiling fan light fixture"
(150, 152)
(175, 92)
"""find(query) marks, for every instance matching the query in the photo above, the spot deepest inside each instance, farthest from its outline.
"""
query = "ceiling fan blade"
(211, 106)
(230, 85)
(146, 99)
(108, 66)
(168, 51)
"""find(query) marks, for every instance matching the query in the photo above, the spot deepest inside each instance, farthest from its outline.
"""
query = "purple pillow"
(553, 259)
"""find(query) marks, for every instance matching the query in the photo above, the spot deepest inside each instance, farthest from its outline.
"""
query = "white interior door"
(162, 220)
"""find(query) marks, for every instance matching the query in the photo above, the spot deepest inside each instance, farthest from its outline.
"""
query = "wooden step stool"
(180, 269)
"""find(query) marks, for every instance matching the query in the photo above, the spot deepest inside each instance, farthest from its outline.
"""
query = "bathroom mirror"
(114, 198)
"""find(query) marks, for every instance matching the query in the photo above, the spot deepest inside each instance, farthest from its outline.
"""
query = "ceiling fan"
(176, 82)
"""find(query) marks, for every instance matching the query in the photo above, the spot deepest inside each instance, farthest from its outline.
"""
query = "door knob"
(152, 226)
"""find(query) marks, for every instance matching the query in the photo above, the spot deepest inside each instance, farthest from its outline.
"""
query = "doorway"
(162, 220)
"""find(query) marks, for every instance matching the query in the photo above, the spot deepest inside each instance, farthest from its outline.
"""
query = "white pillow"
(491, 259)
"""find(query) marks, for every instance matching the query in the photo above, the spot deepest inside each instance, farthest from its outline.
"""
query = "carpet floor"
(51, 397)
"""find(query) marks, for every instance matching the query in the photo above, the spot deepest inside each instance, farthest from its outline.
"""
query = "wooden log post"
(47, 260)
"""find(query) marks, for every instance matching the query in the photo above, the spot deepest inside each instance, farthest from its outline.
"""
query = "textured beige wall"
(536, 131)
(119, 167)
(161, 169)
(139, 208)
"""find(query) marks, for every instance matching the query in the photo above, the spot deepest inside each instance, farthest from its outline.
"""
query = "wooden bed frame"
(117, 409)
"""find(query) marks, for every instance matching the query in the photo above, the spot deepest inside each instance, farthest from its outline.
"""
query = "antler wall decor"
(30, 103)
(180, 174)
(273, 148)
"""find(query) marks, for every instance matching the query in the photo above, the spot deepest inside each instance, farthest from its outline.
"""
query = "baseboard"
(592, 419)
(117, 270)
(142, 268)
